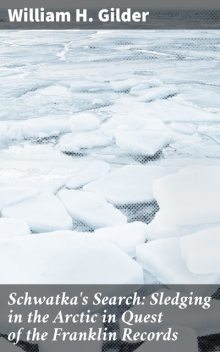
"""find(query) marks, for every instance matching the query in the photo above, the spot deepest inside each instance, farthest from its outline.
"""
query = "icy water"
(89, 111)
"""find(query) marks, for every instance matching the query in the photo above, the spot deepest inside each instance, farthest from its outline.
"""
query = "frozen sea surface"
(100, 116)
(82, 109)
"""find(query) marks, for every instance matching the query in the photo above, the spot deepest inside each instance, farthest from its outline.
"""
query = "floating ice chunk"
(127, 236)
(36, 160)
(196, 146)
(45, 127)
(141, 88)
(186, 341)
(158, 93)
(172, 110)
(43, 213)
(129, 184)
(37, 166)
(201, 251)
(91, 209)
(44, 183)
(190, 196)
(123, 85)
(10, 131)
(84, 121)
(12, 228)
(10, 195)
(184, 128)
(91, 173)
(142, 142)
(161, 227)
(55, 90)
(162, 258)
(124, 119)
(212, 130)
(73, 143)
(73, 259)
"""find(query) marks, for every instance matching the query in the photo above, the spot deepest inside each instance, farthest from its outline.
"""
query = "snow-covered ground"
(100, 131)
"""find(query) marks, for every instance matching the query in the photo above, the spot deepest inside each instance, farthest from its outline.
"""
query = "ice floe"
(163, 259)
(129, 184)
(88, 174)
(158, 93)
(76, 143)
(141, 88)
(37, 166)
(84, 121)
(127, 236)
(179, 111)
(43, 213)
(45, 127)
(187, 199)
(66, 259)
(201, 251)
(10, 228)
(184, 128)
(141, 142)
(10, 195)
(9, 132)
(33, 128)
(90, 208)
